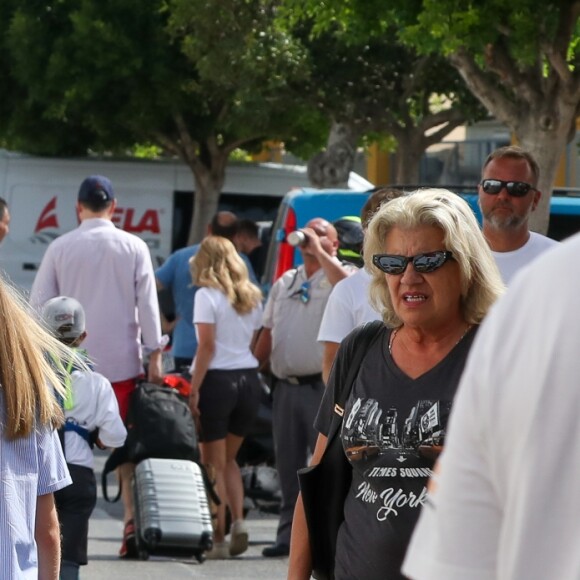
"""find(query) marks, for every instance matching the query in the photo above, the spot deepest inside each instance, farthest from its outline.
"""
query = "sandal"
(129, 546)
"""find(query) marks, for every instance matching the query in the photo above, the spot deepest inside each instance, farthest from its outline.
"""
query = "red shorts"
(123, 390)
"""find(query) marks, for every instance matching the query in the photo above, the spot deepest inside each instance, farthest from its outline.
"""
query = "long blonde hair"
(218, 265)
(27, 379)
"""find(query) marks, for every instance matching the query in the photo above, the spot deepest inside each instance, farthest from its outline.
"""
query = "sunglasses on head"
(422, 263)
(514, 188)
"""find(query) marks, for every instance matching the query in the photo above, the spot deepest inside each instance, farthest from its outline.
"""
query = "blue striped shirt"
(29, 467)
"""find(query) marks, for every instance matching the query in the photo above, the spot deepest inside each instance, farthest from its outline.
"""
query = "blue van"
(301, 205)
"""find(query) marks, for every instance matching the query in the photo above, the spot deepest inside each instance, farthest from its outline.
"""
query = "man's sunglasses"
(303, 293)
(423, 263)
(514, 188)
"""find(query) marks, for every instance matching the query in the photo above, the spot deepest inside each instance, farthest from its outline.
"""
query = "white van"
(155, 201)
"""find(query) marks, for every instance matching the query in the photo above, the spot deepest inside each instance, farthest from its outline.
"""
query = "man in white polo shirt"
(110, 273)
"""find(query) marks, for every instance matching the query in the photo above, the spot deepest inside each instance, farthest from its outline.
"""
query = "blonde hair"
(28, 381)
(217, 264)
(481, 282)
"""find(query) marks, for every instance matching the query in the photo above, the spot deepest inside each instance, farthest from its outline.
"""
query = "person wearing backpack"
(225, 386)
(89, 405)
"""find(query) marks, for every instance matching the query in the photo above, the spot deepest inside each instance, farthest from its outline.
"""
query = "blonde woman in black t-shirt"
(433, 280)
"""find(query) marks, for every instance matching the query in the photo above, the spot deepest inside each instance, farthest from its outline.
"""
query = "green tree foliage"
(383, 86)
(197, 78)
(519, 58)
(374, 83)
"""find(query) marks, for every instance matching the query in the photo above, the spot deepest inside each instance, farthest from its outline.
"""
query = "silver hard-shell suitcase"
(172, 514)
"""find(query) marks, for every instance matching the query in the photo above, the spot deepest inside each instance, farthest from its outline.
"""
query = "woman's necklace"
(394, 333)
(391, 340)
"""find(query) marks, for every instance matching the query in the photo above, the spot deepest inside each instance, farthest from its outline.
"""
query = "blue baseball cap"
(96, 188)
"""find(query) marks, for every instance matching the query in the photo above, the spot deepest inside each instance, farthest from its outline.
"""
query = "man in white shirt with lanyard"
(288, 339)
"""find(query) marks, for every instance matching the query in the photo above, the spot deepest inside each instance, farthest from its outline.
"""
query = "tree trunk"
(547, 147)
(407, 159)
(332, 167)
(209, 176)
(540, 110)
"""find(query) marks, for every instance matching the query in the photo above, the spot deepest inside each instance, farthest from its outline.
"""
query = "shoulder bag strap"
(365, 337)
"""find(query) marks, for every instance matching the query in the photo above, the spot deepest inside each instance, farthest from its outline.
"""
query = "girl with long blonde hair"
(225, 385)
(32, 465)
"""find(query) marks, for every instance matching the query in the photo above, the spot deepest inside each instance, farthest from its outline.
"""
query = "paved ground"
(105, 538)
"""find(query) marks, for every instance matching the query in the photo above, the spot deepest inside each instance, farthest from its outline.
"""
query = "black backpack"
(159, 424)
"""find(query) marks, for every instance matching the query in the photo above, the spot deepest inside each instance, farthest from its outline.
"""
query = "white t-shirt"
(233, 331)
(347, 307)
(95, 405)
(510, 262)
(507, 501)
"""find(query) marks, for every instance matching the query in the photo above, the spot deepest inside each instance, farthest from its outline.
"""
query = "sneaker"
(276, 551)
(238, 538)
(129, 546)
(220, 551)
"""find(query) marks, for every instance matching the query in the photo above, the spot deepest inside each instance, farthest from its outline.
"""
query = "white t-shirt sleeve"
(458, 532)
(112, 432)
(338, 319)
(204, 307)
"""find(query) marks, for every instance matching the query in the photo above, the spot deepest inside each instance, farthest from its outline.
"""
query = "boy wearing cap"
(89, 404)
(109, 271)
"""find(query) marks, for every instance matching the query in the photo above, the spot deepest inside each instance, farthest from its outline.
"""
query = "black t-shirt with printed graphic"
(387, 416)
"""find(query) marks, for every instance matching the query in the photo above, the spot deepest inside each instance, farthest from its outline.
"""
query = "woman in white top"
(225, 384)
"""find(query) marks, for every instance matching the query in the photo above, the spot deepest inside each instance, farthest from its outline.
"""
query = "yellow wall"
(378, 166)
(271, 152)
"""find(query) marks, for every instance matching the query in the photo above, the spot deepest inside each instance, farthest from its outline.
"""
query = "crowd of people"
(431, 274)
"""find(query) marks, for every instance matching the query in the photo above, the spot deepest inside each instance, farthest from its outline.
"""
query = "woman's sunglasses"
(514, 188)
(423, 263)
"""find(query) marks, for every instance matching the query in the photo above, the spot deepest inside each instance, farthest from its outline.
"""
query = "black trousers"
(75, 505)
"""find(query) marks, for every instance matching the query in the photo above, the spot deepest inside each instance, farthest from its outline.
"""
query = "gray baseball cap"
(64, 316)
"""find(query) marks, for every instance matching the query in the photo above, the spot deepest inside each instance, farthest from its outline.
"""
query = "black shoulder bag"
(324, 486)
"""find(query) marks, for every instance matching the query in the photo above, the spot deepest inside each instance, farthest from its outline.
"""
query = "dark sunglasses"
(514, 188)
(423, 263)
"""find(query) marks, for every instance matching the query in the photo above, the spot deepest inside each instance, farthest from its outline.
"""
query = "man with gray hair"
(508, 195)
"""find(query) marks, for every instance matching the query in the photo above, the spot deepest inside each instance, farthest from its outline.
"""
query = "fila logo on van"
(128, 219)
